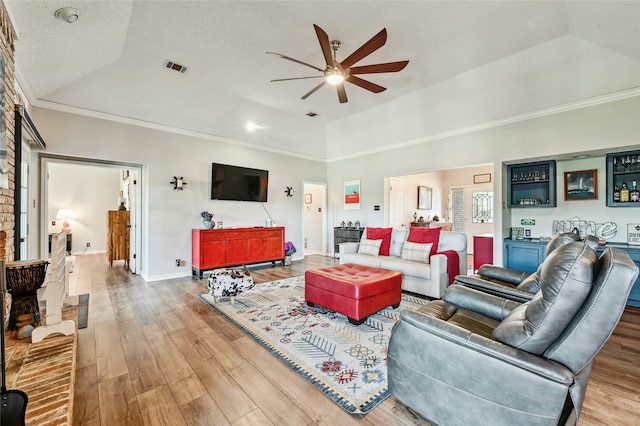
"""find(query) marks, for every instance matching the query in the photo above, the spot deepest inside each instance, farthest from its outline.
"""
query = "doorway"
(396, 203)
(467, 217)
(452, 192)
(89, 188)
(314, 214)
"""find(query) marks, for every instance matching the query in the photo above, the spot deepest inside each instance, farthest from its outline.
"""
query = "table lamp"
(65, 215)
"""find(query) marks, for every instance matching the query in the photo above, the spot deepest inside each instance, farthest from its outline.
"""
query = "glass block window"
(482, 207)
(457, 210)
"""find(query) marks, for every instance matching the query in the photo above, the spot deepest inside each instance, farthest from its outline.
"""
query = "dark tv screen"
(238, 183)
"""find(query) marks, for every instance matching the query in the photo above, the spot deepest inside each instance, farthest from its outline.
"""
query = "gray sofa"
(476, 358)
(429, 279)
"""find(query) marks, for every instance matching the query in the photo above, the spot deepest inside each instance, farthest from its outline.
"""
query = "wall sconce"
(178, 183)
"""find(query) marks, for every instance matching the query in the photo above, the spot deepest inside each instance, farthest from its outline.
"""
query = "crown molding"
(169, 129)
(585, 103)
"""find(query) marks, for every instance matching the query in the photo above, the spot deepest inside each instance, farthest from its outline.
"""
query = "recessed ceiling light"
(251, 126)
(67, 14)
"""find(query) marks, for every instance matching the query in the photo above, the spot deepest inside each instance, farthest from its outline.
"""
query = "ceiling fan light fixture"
(67, 14)
(335, 77)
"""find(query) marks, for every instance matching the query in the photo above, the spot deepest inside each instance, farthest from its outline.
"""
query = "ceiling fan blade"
(375, 43)
(312, 91)
(372, 87)
(378, 68)
(296, 61)
(342, 94)
(323, 38)
(296, 78)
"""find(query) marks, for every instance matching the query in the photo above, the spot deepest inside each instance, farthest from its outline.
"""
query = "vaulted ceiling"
(112, 61)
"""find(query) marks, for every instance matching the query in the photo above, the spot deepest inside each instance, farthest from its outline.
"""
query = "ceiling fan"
(336, 73)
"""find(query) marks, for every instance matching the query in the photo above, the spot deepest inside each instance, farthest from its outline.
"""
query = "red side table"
(482, 250)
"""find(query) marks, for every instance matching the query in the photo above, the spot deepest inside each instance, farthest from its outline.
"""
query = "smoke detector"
(67, 14)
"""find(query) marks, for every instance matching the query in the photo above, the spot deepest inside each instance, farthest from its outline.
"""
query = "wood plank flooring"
(154, 354)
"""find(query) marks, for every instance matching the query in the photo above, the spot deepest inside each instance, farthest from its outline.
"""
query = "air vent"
(311, 114)
(176, 67)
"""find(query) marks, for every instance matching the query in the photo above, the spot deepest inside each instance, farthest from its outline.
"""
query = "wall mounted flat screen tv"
(238, 183)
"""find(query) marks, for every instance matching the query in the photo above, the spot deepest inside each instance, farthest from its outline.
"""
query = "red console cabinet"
(218, 248)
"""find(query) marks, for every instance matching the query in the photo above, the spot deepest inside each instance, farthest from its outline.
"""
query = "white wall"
(612, 125)
(90, 191)
(438, 195)
(169, 215)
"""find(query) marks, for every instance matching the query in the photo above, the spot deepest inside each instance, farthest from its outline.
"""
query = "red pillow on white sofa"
(383, 234)
(425, 236)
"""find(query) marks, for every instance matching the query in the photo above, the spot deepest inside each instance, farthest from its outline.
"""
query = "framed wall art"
(483, 178)
(352, 195)
(424, 197)
(581, 185)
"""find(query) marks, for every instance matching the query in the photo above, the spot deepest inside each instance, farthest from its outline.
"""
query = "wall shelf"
(623, 168)
(532, 184)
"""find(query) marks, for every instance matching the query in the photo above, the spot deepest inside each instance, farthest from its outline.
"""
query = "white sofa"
(429, 279)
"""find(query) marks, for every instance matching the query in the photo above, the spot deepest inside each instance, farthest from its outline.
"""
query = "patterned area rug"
(347, 363)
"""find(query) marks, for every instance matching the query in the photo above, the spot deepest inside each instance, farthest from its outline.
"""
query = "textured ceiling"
(111, 60)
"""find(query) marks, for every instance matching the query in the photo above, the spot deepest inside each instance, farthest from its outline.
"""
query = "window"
(482, 207)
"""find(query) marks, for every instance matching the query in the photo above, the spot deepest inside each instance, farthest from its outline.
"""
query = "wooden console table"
(446, 226)
(118, 231)
(218, 248)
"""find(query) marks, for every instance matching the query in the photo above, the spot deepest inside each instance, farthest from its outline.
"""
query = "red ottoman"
(353, 290)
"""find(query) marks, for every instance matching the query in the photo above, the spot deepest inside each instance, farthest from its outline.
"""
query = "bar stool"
(24, 278)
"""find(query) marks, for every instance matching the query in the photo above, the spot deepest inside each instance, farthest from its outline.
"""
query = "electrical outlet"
(88, 244)
(177, 262)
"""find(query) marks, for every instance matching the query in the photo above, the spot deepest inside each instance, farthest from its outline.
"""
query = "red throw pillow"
(383, 234)
(424, 236)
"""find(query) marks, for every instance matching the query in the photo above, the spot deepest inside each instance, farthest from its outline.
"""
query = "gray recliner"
(476, 358)
(515, 285)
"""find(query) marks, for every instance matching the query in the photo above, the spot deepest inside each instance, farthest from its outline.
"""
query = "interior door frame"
(398, 182)
(45, 159)
(323, 234)
(22, 233)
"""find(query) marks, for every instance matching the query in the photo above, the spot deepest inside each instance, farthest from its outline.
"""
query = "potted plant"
(206, 219)
(289, 249)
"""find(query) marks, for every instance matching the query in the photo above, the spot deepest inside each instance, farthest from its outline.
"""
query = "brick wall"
(7, 195)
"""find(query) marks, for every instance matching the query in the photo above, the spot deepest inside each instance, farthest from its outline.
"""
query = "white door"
(396, 203)
(314, 218)
(463, 216)
(476, 226)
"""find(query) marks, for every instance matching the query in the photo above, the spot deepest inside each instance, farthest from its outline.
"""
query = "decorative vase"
(207, 224)
(287, 260)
